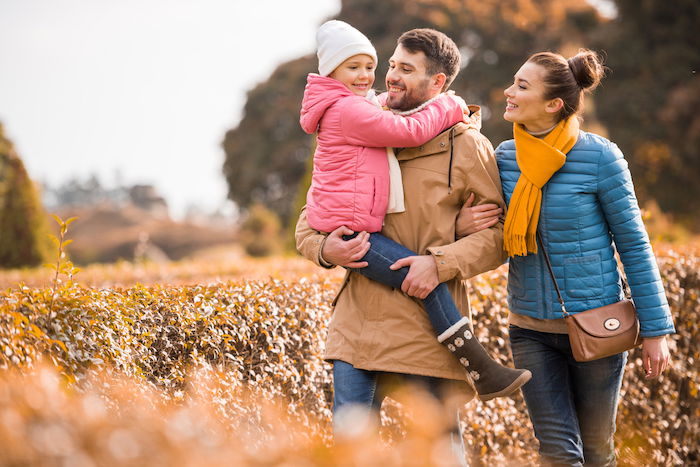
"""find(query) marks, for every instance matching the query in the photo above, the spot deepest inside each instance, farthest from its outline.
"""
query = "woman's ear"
(554, 106)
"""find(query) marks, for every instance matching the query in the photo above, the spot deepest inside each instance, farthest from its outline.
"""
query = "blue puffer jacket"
(586, 205)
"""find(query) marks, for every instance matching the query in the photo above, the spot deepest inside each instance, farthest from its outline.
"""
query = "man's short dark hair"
(442, 54)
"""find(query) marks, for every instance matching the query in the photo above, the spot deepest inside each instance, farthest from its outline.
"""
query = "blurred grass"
(215, 264)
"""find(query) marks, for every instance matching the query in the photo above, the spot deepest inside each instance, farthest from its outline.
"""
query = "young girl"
(351, 181)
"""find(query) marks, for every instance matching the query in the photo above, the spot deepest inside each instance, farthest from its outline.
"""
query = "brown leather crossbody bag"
(599, 332)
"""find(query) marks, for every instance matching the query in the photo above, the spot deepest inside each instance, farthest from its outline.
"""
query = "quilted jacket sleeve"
(619, 203)
(364, 124)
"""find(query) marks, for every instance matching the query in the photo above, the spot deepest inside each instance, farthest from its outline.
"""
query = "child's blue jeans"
(384, 252)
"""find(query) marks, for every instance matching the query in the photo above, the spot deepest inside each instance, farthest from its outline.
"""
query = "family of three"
(407, 195)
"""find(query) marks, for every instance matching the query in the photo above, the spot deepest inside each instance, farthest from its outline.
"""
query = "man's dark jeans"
(354, 388)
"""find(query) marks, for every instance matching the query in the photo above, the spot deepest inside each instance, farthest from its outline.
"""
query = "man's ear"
(554, 106)
(437, 81)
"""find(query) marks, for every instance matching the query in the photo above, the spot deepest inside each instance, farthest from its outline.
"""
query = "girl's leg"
(384, 252)
(490, 378)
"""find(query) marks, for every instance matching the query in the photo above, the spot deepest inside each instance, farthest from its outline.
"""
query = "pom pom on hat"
(338, 41)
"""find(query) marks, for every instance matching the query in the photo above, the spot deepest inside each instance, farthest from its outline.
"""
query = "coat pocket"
(584, 276)
(516, 282)
(380, 196)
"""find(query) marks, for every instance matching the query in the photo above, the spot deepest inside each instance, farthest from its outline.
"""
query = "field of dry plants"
(218, 362)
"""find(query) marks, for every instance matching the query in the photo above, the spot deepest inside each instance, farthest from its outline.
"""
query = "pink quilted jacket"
(350, 183)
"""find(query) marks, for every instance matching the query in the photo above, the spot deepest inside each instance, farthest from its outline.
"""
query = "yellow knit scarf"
(538, 159)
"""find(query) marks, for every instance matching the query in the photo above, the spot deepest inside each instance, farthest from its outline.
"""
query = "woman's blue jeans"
(383, 252)
(572, 404)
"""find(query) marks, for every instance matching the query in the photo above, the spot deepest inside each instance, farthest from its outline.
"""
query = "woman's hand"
(474, 219)
(655, 356)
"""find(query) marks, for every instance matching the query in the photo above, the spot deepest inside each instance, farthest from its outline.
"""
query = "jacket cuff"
(662, 332)
(321, 261)
(445, 261)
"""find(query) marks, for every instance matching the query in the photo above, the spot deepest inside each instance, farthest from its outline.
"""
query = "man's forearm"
(471, 255)
(309, 242)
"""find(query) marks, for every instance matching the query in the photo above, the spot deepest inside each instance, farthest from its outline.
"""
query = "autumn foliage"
(646, 104)
(233, 371)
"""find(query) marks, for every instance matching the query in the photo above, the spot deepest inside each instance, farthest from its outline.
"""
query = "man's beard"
(411, 98)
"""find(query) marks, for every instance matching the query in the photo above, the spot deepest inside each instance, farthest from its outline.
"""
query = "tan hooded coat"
(375, 327)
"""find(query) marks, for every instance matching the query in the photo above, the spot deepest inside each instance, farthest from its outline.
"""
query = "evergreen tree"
(649, 101)
(23, 234)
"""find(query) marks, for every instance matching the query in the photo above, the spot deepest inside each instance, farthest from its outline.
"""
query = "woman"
(573, 188)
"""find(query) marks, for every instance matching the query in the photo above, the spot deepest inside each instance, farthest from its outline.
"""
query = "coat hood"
(320, 93)
(474, 119)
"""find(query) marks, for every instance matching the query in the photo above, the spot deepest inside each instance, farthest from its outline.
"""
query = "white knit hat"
(338, 41)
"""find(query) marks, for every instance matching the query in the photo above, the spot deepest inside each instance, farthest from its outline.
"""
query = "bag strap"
(551, 273)
(625, 286)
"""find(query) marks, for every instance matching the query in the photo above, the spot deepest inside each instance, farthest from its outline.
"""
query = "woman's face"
(525, 102)
(356, 73)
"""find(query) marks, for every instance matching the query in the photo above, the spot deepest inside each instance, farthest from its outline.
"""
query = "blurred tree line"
(646, 104)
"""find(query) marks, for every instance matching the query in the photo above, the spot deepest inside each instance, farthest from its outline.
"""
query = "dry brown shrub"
(112, 420)
(247, 341)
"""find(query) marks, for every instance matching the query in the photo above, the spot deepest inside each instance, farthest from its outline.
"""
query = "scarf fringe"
(520, 245)
(515, 245)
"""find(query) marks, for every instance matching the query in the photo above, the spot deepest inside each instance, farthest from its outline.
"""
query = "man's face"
(407, 82)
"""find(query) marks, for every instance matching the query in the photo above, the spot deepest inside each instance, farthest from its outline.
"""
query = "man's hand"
(655, 356)
(422, 275)
(474, 219)
(345, 253)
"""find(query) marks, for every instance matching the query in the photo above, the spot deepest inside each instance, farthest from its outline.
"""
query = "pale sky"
(144, 87)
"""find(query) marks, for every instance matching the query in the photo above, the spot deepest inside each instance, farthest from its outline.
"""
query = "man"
(379, 334)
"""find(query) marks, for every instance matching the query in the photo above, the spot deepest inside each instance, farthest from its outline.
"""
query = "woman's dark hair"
(569, 79)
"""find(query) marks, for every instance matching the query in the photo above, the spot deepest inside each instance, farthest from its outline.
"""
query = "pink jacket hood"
(320, 93)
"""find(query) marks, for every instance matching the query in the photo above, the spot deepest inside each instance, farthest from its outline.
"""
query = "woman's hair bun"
(587, 68)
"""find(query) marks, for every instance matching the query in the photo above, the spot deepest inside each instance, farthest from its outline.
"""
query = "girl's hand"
(461, 102)
(655, 356)
(474, 219)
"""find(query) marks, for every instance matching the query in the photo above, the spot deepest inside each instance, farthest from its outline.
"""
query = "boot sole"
(510, 389)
